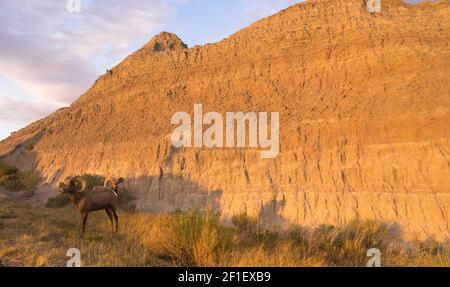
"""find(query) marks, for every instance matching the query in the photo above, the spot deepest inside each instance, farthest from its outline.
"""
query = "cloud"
(256, 9)
(55, 55)
(23, 111)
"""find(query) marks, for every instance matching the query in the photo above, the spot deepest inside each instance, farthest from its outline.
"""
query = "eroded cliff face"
(364, 103)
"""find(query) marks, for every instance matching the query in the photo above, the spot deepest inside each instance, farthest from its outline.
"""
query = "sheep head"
(72, 185)
(114, 182)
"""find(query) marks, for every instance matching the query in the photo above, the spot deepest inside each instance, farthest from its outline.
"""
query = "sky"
(50, 55)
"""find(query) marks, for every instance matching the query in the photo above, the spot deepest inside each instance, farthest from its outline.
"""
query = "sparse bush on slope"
(58, 201)
(14, 180)
(11, 182)
(6, 169)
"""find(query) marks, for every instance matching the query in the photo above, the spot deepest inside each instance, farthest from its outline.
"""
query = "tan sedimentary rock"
(364, 103)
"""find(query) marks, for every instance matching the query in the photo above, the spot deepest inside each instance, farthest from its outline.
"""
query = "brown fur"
(88, 200)
(114, 183)
(111, 184)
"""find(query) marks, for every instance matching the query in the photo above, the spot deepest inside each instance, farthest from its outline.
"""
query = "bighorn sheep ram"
(88, 200)
(114, 185)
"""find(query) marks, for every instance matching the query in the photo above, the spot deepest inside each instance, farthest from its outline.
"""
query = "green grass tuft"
(58, 201)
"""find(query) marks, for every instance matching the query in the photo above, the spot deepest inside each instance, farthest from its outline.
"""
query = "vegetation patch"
(58, 201)
(127, 200)
(194, 238)
(7, 214)
(39, 237)
(29, 193)
(11, 182)
(93, 180)
(29, 147)
(49, 130)
(12, 179)
(6, 169)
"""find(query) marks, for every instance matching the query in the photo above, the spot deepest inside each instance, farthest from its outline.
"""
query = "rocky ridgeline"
(364, 103)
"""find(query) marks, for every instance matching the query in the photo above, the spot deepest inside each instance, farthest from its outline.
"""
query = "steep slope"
(364, 102)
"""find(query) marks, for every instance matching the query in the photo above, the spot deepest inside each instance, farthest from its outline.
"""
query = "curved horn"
(108, 180)
(82, 181)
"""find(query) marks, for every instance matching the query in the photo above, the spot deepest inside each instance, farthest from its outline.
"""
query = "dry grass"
(41, 237)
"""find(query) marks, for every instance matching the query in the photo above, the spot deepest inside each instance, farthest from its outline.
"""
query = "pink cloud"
(53, 55)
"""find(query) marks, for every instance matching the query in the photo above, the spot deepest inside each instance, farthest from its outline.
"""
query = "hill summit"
(165, 42)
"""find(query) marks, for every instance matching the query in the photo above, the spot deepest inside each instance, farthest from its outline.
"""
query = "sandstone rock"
(364, 103)
(165, 42)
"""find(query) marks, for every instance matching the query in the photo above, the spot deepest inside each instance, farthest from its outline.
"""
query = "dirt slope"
(364, 104)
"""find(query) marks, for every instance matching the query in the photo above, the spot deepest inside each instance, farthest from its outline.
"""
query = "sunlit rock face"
(364, 104)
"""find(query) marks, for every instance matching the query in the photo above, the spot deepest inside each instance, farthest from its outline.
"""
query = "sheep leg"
(116, 217)
(110, 217)
(85, 217)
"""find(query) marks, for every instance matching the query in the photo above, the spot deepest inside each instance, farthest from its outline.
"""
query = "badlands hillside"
(364, 103)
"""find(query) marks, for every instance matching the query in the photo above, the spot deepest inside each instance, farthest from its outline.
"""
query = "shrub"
(195, 238)
(347, 245)
(29, 193)
(26, 180)
(49, 130)
(93, 180)
(29, 180)
(243, 223)
(6, 169)
(29, 147)
(11, 182)
(58, 201)
(127, 200)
